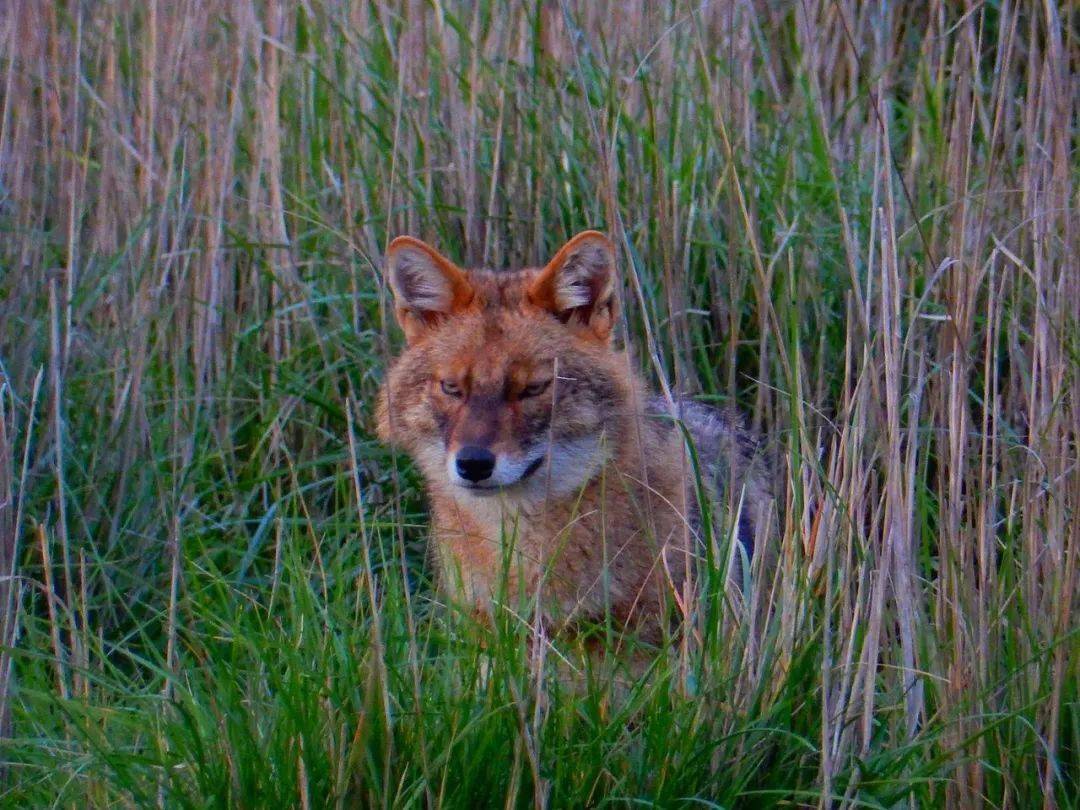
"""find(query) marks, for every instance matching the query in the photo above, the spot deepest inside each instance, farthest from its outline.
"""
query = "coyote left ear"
(427, 286)
(578, 285)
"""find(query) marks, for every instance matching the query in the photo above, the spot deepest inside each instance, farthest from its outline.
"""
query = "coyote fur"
(553, 475)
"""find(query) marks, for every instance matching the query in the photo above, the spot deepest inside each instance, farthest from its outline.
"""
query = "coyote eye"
(451, 389)
(534, 389)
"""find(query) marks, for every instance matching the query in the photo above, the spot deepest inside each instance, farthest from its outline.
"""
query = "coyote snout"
(476, 464)
(480, 470)
(485, 451)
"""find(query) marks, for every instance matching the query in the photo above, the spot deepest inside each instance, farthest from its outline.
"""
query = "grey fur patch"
(731, 460)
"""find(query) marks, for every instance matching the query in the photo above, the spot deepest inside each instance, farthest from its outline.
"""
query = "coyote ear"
(578, 285)
(427, 286)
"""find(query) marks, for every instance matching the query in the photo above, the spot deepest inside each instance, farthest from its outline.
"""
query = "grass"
(856, 222)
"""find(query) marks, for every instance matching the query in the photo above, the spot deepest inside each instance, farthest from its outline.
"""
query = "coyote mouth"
(533, 467)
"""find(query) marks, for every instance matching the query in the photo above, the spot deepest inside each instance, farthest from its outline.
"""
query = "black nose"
(475, 463)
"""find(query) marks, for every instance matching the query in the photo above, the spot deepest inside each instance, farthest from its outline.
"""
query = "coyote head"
(508, 383)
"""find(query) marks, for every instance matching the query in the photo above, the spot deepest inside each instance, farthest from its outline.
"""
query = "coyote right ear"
(427, 286)
(578, 285)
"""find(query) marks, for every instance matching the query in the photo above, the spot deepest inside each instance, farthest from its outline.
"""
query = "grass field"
(856, 221)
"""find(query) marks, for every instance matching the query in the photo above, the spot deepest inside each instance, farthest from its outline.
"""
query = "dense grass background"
(857, 221)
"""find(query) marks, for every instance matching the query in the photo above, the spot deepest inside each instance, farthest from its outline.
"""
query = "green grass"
(857, 224)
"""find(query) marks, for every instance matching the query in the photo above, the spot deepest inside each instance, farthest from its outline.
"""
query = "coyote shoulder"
(552, 473)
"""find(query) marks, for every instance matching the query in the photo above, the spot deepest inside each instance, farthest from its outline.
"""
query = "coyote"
(552, 474)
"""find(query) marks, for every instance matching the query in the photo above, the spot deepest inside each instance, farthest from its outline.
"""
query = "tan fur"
(606, 523)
